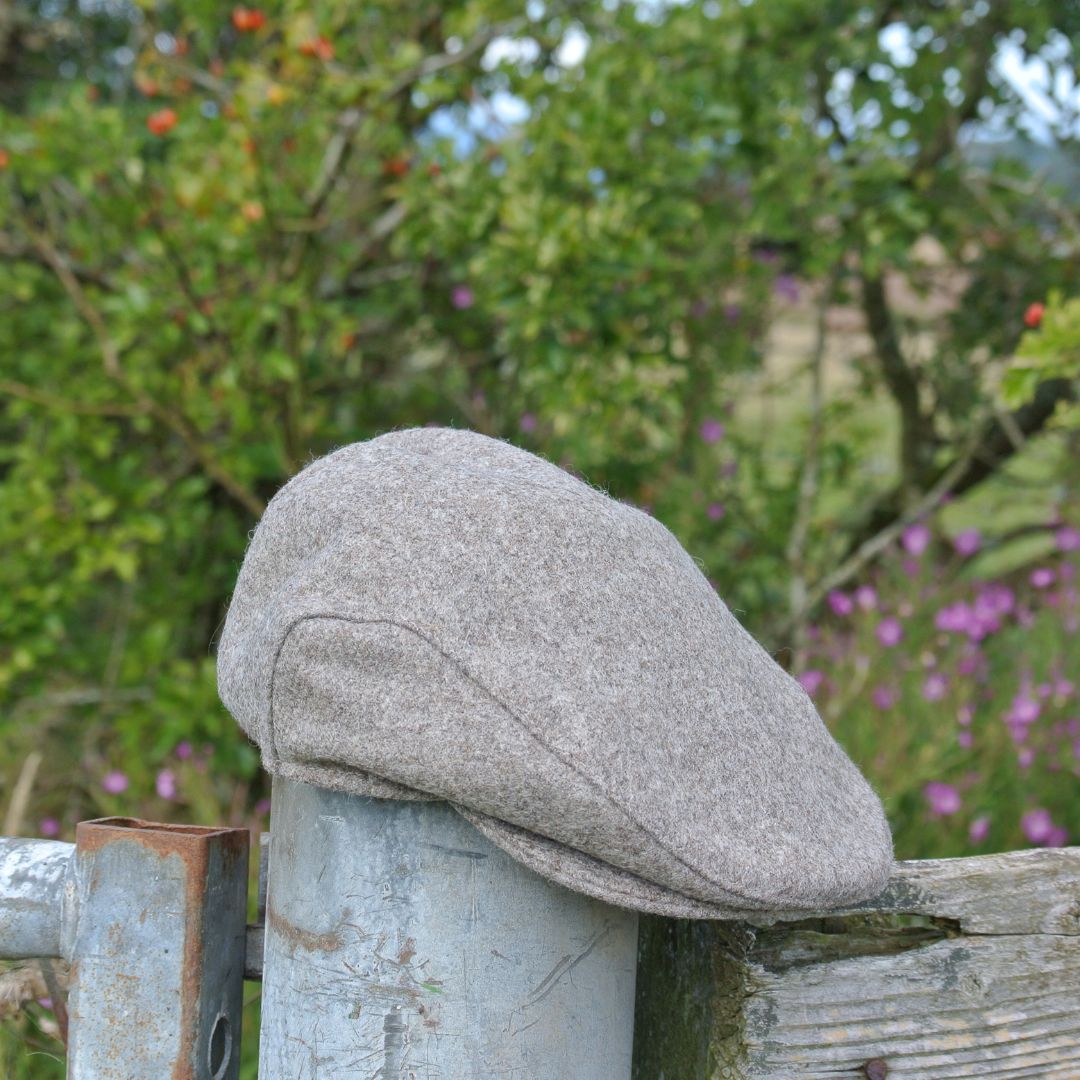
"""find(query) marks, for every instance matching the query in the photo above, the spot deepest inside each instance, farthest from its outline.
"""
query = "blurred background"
(800, 279)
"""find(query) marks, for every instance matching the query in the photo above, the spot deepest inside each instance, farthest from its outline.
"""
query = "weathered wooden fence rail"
(401, 945)
(962, 968)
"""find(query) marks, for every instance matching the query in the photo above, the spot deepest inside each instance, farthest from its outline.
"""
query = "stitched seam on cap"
(753, 901)
(669, 896)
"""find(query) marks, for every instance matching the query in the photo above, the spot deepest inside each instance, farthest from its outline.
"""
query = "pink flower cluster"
(981, 617)
(973, 660)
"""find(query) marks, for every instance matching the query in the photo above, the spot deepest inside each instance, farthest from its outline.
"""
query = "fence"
(394, 942)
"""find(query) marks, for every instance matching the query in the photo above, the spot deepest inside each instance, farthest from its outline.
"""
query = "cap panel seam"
(752, 902)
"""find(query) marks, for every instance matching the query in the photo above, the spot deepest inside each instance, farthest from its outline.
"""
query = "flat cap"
(438, 614)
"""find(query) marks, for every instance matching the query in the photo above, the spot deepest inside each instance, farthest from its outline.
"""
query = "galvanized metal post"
(403, 945)
(154, 931)
(32, 879)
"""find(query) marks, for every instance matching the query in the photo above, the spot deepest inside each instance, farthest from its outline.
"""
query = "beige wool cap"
(436, 614)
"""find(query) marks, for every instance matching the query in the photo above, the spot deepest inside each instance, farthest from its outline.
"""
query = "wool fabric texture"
(436, 614)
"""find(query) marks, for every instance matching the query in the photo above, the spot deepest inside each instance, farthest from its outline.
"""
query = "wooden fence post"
(962, 968)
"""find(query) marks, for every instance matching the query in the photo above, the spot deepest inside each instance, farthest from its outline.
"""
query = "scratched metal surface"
(402, 945)
(155, 942)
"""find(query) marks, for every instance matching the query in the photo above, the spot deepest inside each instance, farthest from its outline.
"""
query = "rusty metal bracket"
(154, 931)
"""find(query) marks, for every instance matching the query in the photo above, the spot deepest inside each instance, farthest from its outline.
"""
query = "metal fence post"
(154, 930)
(33, 874)
(402, 945)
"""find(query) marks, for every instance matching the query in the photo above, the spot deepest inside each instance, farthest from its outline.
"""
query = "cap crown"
(437, 613)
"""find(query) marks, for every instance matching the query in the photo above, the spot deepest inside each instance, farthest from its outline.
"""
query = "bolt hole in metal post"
(400, 943)
(220, 1048)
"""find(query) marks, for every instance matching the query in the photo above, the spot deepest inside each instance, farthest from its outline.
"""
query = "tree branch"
(79, 408)
(917, 436)
(811, 469)
(995, 443)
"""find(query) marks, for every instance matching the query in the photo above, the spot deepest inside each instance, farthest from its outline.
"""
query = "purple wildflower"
(115, 782)
(866, 597)
(184, 750)
(716, 511)
(1025, 710)
(840, 603)
(786, 287)
(49, 826)
(462, 297)
(1067, 538)
(165, 785)
(889, 632)
(979, 829)
(967, 542)
(915, 539)
(1042, 577)
(955, 618)
(885, 697)
(1037, 825)
(527, 423)
(711, 430)
(943, 799)
(935, 686)
(811, 680)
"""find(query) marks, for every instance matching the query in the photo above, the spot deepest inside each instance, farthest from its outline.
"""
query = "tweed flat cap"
(437, 614)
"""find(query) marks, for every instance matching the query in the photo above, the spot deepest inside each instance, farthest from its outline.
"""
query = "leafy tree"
(234, 240)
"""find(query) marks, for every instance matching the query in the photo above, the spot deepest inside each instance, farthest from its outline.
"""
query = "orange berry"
(5, 159)
(319, 47)
(1034, 315)
(247, 20)
(252, 211)
(162, 121)
(396, 166)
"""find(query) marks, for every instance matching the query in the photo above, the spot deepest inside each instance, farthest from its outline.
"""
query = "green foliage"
(1049, 351)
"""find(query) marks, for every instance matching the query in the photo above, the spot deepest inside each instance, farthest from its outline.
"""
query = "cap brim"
(584, 874)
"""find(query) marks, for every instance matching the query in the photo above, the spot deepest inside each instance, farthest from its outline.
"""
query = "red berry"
(319, 47)
(162, 121)
(247, 20)
(1034, 315)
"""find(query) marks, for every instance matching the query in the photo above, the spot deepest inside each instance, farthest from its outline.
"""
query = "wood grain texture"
(961, 968)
